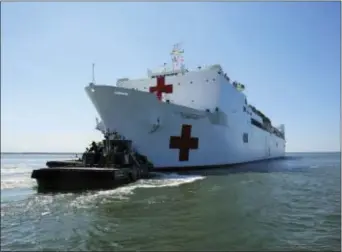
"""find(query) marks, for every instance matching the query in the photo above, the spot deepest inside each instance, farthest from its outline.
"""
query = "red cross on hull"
(161, 88)
(184, 142)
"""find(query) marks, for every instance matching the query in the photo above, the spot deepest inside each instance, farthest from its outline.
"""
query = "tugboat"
(105, 165)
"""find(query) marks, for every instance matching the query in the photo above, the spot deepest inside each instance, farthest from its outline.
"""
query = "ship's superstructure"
(182, 118)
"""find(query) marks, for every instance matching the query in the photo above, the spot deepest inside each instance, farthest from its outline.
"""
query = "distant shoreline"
(38, 153)
(74, 153)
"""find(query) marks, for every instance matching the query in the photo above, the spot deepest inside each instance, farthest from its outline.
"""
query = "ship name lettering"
(191, 116)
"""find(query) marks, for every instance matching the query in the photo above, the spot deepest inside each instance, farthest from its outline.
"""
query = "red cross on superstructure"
(161, 88)
(184, 143)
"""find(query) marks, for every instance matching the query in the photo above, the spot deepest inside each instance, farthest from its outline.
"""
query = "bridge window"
(245, 137)
(167, 74)
(265, 128)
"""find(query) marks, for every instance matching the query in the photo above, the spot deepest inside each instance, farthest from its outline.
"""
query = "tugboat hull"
(67, 179)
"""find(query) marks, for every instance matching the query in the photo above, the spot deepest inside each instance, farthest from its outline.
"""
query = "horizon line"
(60, 152)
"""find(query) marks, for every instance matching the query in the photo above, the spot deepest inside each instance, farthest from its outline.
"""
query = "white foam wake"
(16, 172)
(121, 193)
(9, 169)
(16, 176)
(17, 182)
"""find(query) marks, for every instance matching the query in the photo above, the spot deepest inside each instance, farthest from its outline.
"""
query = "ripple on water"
(296, 207)
(56, 219)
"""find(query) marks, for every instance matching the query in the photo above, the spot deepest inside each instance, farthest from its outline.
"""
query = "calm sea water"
(290, 204)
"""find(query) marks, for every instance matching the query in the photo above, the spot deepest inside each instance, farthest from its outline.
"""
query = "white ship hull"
(152, 125)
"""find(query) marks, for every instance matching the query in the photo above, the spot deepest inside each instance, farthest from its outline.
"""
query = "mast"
(93, 73)
(177, 57)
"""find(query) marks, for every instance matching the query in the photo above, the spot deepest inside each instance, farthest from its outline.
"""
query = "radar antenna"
(177, 56)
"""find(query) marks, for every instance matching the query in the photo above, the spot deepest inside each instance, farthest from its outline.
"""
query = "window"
(244, 109)
(258, 124)
(245, 137)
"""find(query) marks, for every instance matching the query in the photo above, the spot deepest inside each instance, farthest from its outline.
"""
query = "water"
(290, 204)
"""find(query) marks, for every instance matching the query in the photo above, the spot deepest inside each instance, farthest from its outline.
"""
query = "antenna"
(93, 72)
(177, 56)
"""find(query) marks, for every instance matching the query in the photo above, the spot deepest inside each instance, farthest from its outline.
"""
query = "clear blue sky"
(286, 53)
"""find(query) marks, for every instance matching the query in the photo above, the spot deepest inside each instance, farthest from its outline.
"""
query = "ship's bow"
(123, 110)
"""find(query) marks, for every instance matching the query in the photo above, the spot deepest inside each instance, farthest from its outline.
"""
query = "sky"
(286, 53)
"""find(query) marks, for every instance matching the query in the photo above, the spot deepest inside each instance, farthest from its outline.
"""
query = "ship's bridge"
(165, 71)
(171, 71)
(172, 83)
